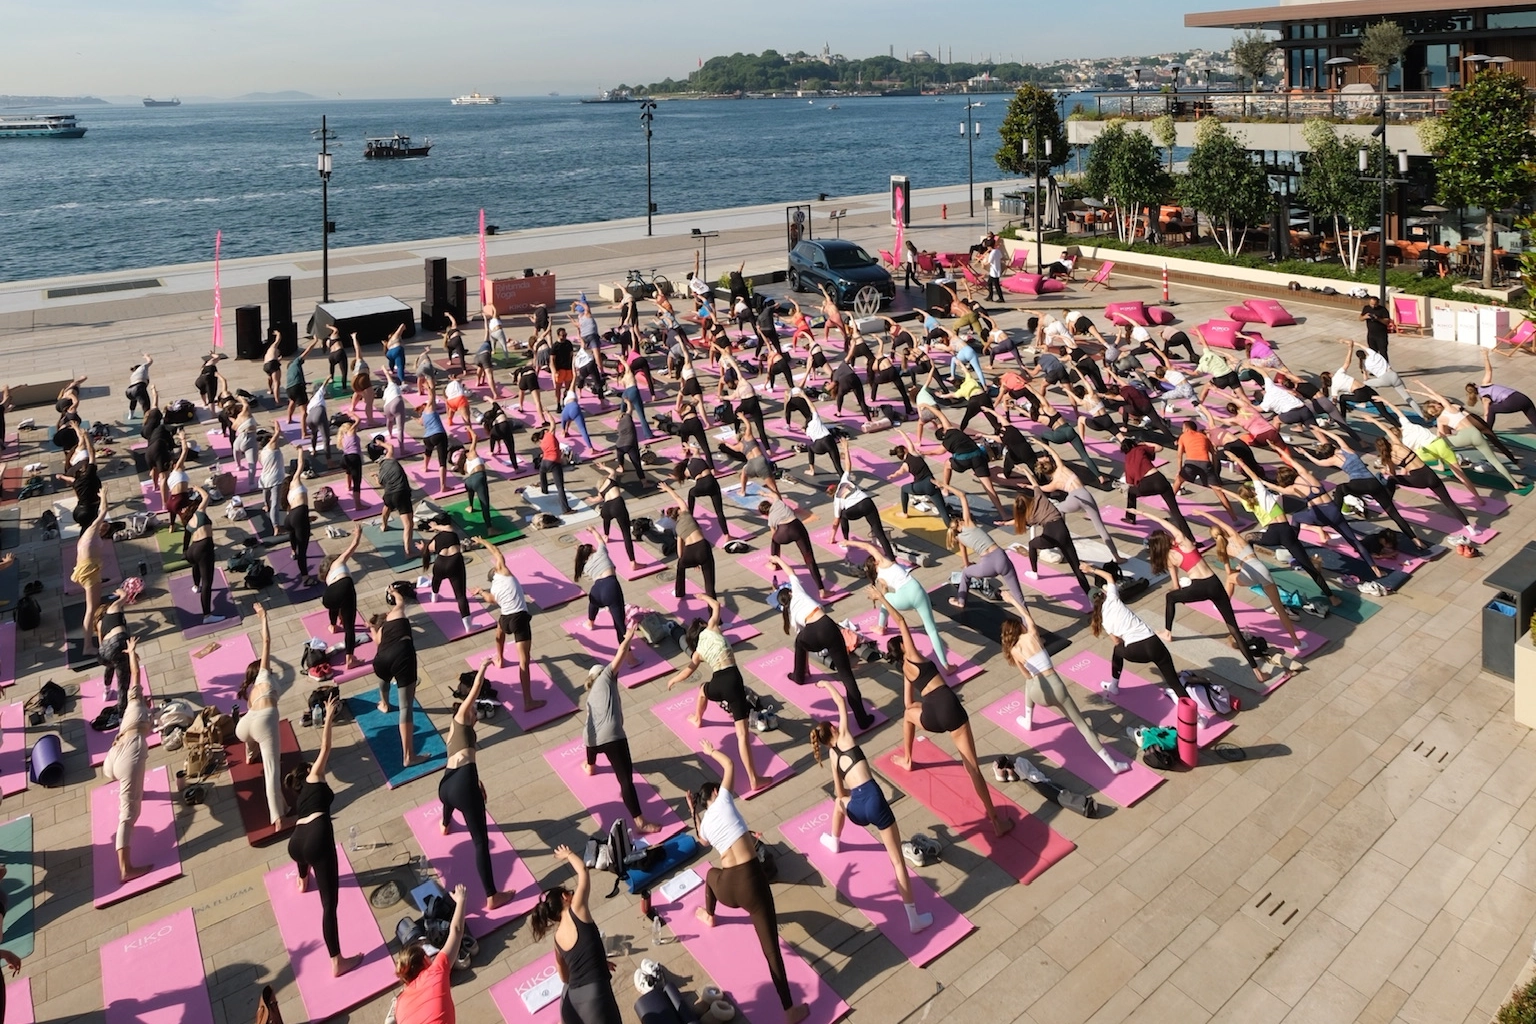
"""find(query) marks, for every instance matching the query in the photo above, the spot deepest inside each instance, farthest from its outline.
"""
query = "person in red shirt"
(427, 997)
(1143, 481)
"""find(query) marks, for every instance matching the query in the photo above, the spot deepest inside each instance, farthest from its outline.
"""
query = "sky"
(367, 49)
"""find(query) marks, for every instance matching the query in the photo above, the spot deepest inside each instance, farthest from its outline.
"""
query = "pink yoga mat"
(674, 712)
(444, 613)
(372, 503)
(1492, 504)
(756, 562)
(861, 872)
(298, 922)
(773, 671)
(111, 572)
(735, 628)
(647, 562)
(1262, 622)
(92, 700)
(942, 785)
(961, 668)
(534, 983)
(599, 792)
(8, 654)
(18, 1004)
(602, 645)
(729, 953)
(510, 692)
(13, 749)
(151, 976)
(1056, 582)
(453, 858)
(220, 673)
(1137, 695)
(543, 584)
(876, 463)
(1057, 740)
(1432, 519)
(318, 624)
(153, 840)
(426, 481)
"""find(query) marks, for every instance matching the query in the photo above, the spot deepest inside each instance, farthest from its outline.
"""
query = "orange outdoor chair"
(1101, 276)
(1520, 337)
(1405, 313)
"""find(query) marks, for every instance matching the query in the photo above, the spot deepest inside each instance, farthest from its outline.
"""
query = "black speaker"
(436, 290)
(249, 343)
(289, 334)
(457, 298)
(279, 300)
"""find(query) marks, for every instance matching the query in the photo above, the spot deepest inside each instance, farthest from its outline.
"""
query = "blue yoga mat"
(679, 850)
(16, 855)
(382, 731)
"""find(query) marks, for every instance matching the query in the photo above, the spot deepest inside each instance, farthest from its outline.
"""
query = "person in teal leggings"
(903, 592)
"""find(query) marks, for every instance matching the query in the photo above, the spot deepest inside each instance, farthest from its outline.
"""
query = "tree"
(1166, 131)
(1485, 151)
(1032, 115)
(1382, 45)
(1250, 54)
(1332, 188)
(1123, 166)
(1225, 182)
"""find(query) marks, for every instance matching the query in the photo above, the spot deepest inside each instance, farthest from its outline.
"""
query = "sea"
(151, 186)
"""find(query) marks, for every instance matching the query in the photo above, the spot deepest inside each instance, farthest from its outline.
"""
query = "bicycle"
(639, 286)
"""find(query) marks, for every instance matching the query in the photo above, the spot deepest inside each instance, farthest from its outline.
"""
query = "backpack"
(259, 575)
(613, 851)
(1213, 698)
(325, 499)
(29, 613)
(315, 653)
(49, 697)
(1256, 645)
(654, 627)
(1159, 747)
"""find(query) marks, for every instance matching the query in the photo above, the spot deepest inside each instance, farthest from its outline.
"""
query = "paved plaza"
(1337, 873)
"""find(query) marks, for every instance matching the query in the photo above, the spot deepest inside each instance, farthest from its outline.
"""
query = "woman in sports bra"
(931, 704)
(1057, 478)
(476, 481)
(1243, 565)
(614, 509)
(899, 589)
(693, 548)
(461, 789)
(259, 727)
(1464, 429)
(298, 523)
(340, 597)
(126, 763)
(580, 956)
(1024, 650)
(704, 484)
(362, 382)
(816, 632)
(1302, 496)
(1176, 553)
(111, 630)
(445, 551)
(197, 548)
(1059, 431)
(725, 685)
(859, 799)
(394, 661)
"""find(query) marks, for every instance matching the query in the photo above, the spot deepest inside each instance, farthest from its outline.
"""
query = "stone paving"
(1414, 880)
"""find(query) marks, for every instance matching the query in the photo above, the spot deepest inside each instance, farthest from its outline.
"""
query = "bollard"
(944, 212)
(1165, 284)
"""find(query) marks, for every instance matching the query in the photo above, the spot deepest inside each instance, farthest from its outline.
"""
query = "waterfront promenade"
(1412, 879)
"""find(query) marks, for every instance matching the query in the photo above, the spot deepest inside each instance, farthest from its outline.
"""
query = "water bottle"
(317, 714)
(658, 928)
(352, 839)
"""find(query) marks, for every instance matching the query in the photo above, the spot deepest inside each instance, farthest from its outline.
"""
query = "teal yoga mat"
(16, 855)
(387, 544)
(383, 735)
(1352, 607)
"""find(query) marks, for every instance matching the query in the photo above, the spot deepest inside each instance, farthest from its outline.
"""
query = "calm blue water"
(150, 186)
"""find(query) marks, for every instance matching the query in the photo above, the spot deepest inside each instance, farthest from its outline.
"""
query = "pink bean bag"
(1160, 315)
(1242, 313)
(1223, 334)
(1127, 313)
(1031, 284)
(1268, 312)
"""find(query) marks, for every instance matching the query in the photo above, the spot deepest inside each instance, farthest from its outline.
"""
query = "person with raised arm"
(1337, 453)
(126, 763)
(1034, 513)
(693, 548)
(427, 997)
(394, 661)
(1135, 642)
(815, 631)
(460, 789)
(296, 386)
(259, 727)
(581, 958)
(1057, 478)
(604, 731)
(850, 501)
(340, 597)
(1463, 429)
(725, 686)
(604, 591)
(1496, 398)
(1244, 566)
(512, 619)
(980, 556)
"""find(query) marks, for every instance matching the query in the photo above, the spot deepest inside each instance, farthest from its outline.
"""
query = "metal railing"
(1286, 106)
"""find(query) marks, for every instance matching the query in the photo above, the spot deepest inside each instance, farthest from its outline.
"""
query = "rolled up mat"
(48, 760)
(1189, 741)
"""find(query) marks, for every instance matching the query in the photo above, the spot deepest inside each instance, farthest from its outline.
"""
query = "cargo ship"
(161, 103)
(40, 126)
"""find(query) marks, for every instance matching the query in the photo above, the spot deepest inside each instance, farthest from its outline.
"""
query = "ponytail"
(547, 912)
(821, 737)
(1096, 622)
(952, 535)
(783, 599)
(583, 552)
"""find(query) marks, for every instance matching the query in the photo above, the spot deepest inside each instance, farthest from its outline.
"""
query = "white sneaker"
(1110, 686)
(1168, 692)
(1031, 574)
(830, 842)
(196, 589)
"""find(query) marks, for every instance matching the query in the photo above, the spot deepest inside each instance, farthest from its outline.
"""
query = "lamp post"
(323, 165)
(1176, 69)
(1385, 178)
(970, 137)
(647, 115)
(1035, 160)
(705, 236)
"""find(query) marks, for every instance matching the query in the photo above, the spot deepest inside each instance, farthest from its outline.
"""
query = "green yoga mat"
(1352, 607)
(382, 731)
(1526, 441)
(1487, 481)
(169, 543)
(16, 855)
(501, 529)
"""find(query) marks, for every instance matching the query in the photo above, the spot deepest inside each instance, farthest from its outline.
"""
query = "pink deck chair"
(1520, 337)
(1405, 312)
(1101, 276)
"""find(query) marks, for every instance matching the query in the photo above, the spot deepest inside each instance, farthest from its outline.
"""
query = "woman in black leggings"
(615, 509)
(739, 882)
(815, 632)
(845, 382)
(197, 549)
(1134, 640)
(1143, 481)
(1276, 531)
(725, 686)
(580, 957)
(340, 597)
(887, 372)
(445, 551)
(394, 661)
(849, 501)
(1406, 469)
(313, 843)
(788, 529)
(298, 522)
(691, 429)
(704, 485)
(693, 549)
(1034, 509)
(461, 789)
(1177, 554)
(605, 734)
(922, 482)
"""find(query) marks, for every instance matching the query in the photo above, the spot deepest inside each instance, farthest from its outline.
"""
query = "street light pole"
(323, 165)
(647, 115)
(971, 130)
(1035, 160)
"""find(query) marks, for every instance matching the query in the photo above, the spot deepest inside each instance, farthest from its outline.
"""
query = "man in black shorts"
(512, 619)
(296, 386)
(394, 492)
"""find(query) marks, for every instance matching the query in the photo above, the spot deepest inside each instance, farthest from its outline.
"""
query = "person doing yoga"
(340, 597)
(901, 591)
(126, 763)
(445, 552)
(1463, 429)
(258, 728)
(981, 557)
(922, 484)
(786, 528)
(815, 631)
(1134, 640)
(313, 843)
(604, 732)
(693, 548)
(931, 704)
(1496, 398)
(512, 619)
(1025, 651)
(197, 548)
(1055, 477)
(739, 882)
(394, 661)
(1034, 513)
(461, 789)
(859, 799)
(850, 501)
(604, 591)
(580, 956)
(1244, 566)
(725, 686)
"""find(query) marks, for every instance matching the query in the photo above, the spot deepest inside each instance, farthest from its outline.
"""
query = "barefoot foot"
(342, 964)
(705, 916)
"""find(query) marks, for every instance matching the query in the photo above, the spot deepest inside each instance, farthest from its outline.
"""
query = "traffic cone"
(1165, 284)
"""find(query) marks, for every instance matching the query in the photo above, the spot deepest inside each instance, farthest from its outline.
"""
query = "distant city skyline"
(399, 49)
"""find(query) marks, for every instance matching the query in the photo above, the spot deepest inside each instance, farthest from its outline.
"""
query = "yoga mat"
(155, 975)
(427, 482)
(960, 669)
(1056, 739)
(729, 953)
(1351, 608)
(248, 780)
(18, 885)
(382, 731)
(1212, 656)
(1137, 695)
(986, 617)
(736, 629)
(111, 572)
(1261, 621)
(318, 625)
(510, 693)
(1188, 715)
(452, 856)
(287, 569)
(861, 872)
(549, 504)
(153, 840)
(387, 544)
(1056, 582)
(443, 612)
(371, 500)
(599, 792)
(8, 654)
(13, 749)
(773, 669)
(298, 922)
(92, 700)
(189, 609)
(674, 712)
(169, 543)
(943, 786)
(1425, 518)
(602, 645)
(18, 1002)
(542, 583)
(502, 529)
(219, 673)
(876, 464)
(756, 562)
(539, 985)
(646, 561)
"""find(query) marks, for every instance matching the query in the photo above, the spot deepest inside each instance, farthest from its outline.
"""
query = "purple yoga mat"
(189, 610)
(510, 692)
(453, 858)
(861, 872)
(1057, 740)
(427, 481)
(1137, 695)
(150, 976)
(773, 671)
(690, 607)
(674, 712)
(287, 569)
(599, 792)
(153, 840)
(602, 645)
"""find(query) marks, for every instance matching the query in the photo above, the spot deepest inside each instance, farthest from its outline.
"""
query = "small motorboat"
(393, 147)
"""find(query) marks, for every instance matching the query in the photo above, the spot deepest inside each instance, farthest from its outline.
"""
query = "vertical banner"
(484, 291)
(218, 304)
(899, 205)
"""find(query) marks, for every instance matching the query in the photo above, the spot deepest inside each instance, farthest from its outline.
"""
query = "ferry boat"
(393, 147)
(474, 99)
(611, 96)
(39, 126)
(161, 103)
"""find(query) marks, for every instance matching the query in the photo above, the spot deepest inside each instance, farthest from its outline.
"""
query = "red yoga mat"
(249, 783)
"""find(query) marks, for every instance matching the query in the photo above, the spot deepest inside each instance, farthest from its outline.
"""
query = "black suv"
(844, 268)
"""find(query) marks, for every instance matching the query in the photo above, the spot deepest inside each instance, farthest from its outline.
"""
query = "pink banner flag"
(900, 200)
(483, 291)
(218, 303)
